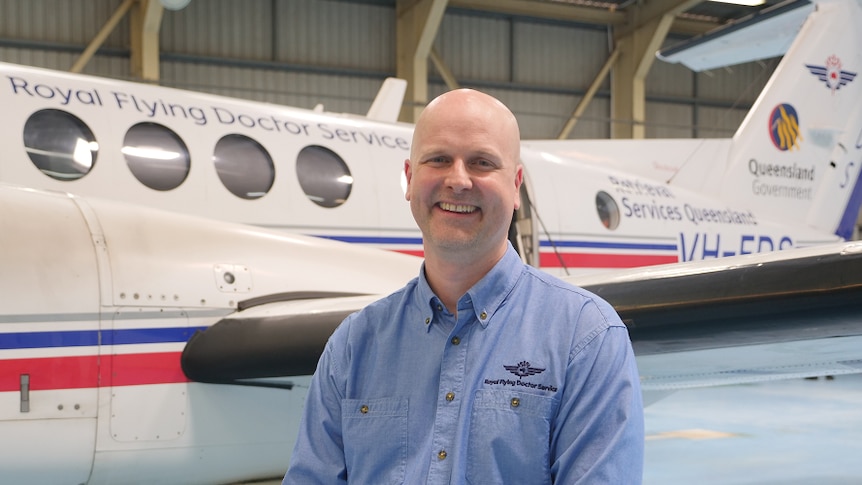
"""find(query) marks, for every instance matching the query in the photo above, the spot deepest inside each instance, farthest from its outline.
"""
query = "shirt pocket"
(509, 441)
(375, 440)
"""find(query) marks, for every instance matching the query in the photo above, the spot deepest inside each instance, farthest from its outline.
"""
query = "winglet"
(387, 103)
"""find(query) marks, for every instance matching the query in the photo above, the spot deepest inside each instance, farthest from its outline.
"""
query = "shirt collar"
(487, 295)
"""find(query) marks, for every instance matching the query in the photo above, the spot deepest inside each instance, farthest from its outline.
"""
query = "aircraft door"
(523, 232)
(145, 368)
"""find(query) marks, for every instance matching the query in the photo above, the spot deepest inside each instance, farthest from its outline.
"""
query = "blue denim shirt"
(535, 382)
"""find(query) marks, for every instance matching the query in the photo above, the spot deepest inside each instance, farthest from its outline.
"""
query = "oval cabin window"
(323, 176)
(156, 156)
(608, 210)
(60, 144)
(243, 166)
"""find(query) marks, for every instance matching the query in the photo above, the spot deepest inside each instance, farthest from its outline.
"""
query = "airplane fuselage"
(340, 176)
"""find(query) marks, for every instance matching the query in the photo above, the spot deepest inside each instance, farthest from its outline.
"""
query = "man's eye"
(437, 160)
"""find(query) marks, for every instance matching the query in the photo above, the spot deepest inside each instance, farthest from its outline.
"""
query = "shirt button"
(483, 315)
(439, 308)
(450, 396)
(516, 402)
(441, 455)
(456, 340)
(427, 321)
(363, 409)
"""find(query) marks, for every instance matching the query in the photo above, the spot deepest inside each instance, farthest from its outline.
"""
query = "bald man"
(482, 370)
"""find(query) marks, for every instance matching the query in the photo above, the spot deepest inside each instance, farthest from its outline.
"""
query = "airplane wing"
(795, 313)
(787, 314)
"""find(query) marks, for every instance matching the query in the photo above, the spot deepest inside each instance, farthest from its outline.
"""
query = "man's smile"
(460, 208)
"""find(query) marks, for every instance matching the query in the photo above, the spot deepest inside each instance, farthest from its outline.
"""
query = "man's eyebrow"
(432, 154)
(444, 151)
(492, 156)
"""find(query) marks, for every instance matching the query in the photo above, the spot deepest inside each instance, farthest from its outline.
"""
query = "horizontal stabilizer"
(763, 35)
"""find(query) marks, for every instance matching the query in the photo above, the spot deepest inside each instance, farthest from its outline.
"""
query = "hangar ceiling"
(700, 16)
(637, 29)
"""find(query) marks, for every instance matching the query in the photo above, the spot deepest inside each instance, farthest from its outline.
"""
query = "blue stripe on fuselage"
(83, 338)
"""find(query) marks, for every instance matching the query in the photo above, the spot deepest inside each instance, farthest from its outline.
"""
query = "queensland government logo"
(831, 73)
(784, 127)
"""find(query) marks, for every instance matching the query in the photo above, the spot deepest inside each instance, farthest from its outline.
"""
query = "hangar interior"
(540, 57)
(569, 69)
(546, 59)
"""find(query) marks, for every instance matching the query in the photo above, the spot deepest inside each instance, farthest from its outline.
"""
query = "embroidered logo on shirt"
(523, 369)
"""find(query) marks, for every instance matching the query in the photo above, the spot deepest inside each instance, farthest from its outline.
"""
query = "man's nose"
(458, 177)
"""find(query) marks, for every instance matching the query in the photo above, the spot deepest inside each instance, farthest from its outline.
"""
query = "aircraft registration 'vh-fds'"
(139, 344)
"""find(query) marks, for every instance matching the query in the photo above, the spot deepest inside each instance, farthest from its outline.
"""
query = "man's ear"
(408, 175)
(519, 179)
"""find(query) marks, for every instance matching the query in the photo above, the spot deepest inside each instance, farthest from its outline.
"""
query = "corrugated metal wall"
(477, 48)
(220, 28)
(63, 21)
(305, 52)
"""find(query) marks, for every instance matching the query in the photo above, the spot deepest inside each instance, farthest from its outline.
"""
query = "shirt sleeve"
(318, 456)
(598, 435)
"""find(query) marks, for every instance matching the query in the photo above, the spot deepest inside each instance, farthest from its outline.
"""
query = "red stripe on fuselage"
(137, 369)
(587, 260)
(591, 260)
(84, 371)
(411, 252)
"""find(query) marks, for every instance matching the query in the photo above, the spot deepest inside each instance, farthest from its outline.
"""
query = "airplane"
(145, 346)
(139, 344)
(789, 177)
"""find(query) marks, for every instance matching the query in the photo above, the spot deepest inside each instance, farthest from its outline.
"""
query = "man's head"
(464, 175)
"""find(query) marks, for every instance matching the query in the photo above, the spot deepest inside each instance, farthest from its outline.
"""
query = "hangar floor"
(788, 432)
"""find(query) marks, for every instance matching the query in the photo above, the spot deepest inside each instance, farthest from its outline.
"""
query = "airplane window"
(244, 166)
(60, 144)
(323, 176)
(157, 157)
(609, 211)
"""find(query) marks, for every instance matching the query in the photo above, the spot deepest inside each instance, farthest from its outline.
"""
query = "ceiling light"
(175, 4)
(747, 3)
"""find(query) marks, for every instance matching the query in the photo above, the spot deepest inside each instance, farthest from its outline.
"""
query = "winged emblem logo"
(832, 74)
(523, 369)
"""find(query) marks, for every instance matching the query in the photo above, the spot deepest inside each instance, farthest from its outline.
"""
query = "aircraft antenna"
(550, 240)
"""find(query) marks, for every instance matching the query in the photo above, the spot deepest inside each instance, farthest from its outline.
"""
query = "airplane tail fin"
(387, 104)
(797, 154)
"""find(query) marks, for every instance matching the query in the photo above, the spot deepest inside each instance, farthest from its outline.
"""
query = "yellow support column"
(146, 21)
(638, 42)
(417, 22)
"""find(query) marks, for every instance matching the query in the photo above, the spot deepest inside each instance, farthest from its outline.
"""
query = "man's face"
(464, 177)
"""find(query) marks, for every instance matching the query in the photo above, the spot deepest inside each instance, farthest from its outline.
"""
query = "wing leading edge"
(268, 341)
